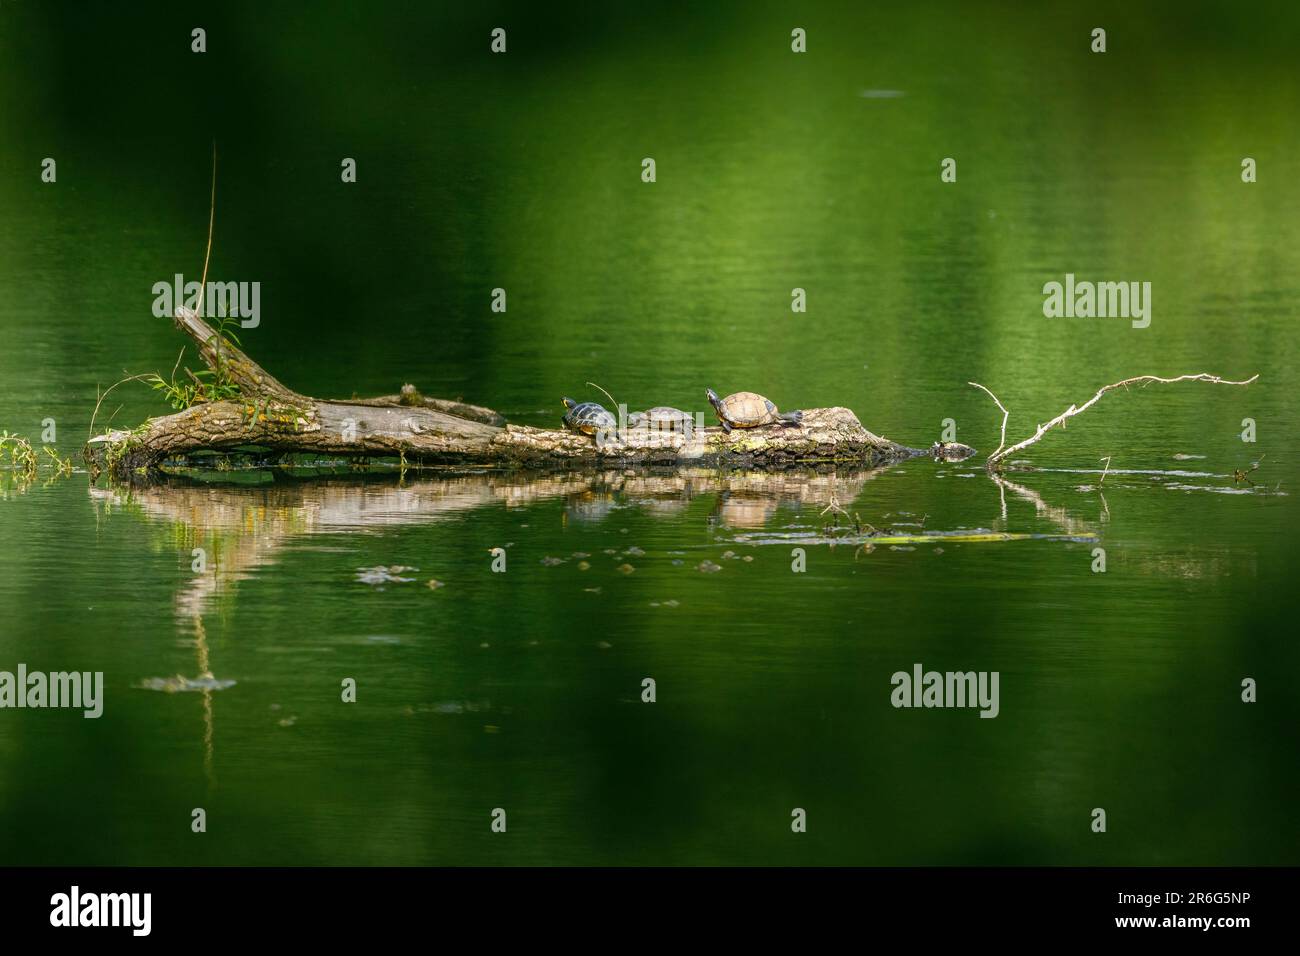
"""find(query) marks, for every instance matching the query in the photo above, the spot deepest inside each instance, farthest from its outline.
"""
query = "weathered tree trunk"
(269, 415)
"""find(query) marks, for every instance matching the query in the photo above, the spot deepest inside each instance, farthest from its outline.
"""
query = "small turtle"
(588, 417)
(663, 418)
(749, 410)
(950, 451)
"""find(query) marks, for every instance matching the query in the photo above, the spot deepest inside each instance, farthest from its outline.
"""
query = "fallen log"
(266, 414)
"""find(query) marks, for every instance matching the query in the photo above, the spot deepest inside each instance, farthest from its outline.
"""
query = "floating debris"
(1154, 473)
(678, 561)
(592, 590)
(584, 566)
(635, 552)
(924, 537)
(288, 721)
(1181, 457)
(455, 707)
(179, 684)
(668, 603)
(708, 567)
(433, 584)
(384, 574)
(748, 557)
(626, 568)
(729, 555)
(1222, 490)
(580, 554)
(604, 645)
(551, 562)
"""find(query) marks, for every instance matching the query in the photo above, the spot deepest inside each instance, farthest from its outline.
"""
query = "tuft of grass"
(62, 466)
(207, 385)
(22, 457)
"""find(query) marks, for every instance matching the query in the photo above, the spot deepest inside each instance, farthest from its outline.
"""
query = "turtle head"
(568, 402)
(712, 396)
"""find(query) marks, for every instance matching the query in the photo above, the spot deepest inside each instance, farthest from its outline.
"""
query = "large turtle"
(663, 418)
(588, 418)
(749, 410)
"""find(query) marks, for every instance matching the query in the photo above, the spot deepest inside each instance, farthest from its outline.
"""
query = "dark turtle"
(749, 410)
(588, 417)
(950, 451)
(662, 417)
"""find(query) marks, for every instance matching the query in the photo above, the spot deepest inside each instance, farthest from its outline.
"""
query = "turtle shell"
(589, 418)
(661, 416)
(747, 410)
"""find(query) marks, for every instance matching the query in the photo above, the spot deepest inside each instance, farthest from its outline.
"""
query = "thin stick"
(607, 395)
(1104, 471)
(212, 216)
(178, 363)
(104, 394)
(1005, 415)
(1073, 410)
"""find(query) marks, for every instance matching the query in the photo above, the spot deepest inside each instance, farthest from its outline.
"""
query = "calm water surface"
(522, 690)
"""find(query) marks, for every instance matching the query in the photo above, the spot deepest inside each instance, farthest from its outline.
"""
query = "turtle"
(749, 410)
(588, 417)
(663, 418)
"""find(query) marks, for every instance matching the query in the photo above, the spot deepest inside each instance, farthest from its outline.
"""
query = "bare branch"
(212, 218)
(1073, 410)
(1005, 415)
(104, 394)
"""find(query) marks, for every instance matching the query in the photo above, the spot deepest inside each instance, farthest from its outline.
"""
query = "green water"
(522, 690)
